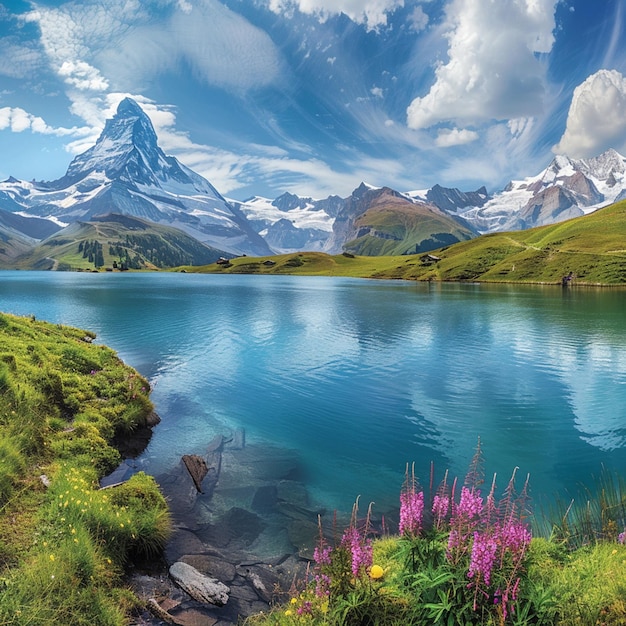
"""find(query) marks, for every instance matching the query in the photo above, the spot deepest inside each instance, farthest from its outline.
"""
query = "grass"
(64, 547)
(592, 247)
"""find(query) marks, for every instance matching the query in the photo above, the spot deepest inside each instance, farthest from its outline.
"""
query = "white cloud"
(219, 46)
(16, 60)
(597, 116)
(446, 138)
(494, 69)
(370, 13)
(18, 120)
(418, 19)
(82, 76)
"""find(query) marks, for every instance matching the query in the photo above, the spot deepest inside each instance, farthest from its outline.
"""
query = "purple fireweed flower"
(322, 555)
(441, 504)
(514, 536)
(470, 504)
(482, 559)
(360, 550)
(322, 585)
(621, 538)
(411, 512)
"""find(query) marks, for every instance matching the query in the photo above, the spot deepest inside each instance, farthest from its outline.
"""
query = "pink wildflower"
(360, 550)
(441, 504)
(483, 557)
(411, 512)
(470, 504)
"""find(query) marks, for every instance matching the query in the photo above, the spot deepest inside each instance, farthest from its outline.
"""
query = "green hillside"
(392, 225)
(116, 242)
(593, 247)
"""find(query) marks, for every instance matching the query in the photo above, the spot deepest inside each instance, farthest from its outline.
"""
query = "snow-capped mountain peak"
(566, 188)
(127, 172)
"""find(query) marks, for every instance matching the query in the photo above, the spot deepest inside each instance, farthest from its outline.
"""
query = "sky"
(314, 97)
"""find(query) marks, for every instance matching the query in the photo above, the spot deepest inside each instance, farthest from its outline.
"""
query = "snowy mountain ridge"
(127, 172)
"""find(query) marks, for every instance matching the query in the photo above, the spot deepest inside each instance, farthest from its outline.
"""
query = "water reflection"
(362, 377)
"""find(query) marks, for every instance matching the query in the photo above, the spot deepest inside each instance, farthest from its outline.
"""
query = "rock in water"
(197, 468)
(200, 587)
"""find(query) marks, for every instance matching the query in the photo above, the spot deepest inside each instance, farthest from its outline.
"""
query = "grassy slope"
(63, 547)
(153, 245)
(410, 227)
(592, 246)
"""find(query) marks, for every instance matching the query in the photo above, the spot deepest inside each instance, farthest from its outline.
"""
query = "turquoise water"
(361, 377)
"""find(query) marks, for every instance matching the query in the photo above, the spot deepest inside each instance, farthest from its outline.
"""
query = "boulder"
(200, 587)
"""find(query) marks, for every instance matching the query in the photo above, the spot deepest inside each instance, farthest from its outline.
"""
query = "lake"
(362, 377)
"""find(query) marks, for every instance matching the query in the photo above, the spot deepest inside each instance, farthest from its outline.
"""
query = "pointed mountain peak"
(127, 137)
(128, 107)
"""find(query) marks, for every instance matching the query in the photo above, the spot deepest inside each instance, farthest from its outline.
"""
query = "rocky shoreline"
(243, 536)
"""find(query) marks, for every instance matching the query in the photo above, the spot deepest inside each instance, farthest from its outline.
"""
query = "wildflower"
(515, 537)
(360, 549)
(411, 512)
(305, 609)
(621, 538)
(440, 509)
(322, 585)
(376, 572)
(321, 554)
(411, 505)
(470, 504)
(482, 558)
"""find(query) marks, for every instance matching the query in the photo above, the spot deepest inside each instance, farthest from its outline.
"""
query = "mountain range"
(127, 173)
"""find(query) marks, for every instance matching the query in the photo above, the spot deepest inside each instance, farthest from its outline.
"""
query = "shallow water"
(361, 377)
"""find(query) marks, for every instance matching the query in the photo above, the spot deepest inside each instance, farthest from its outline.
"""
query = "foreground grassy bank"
(64, 543)
(591, 247)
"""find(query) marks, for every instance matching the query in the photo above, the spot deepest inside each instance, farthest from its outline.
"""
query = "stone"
(197, 468)
(264, 582)
(211, 566)
(237, 525)
(200, 587)
(264, 500)
(182, 542)
(194, 617)
(304, 535)
(293, 492)
(153, 419)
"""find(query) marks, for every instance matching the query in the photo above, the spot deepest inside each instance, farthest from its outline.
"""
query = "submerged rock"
(197, 468)
(200, 587)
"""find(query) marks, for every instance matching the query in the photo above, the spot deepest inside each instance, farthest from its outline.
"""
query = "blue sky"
(315, 96)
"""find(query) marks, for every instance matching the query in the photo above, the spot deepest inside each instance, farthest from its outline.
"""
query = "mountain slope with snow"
(566, 188)
(127, 172)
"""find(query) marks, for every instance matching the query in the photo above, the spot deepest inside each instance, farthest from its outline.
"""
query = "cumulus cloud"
(18, 120)
(446, 138)
(597, 116)
(370, 13)
(82, 76)
(494, 69)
